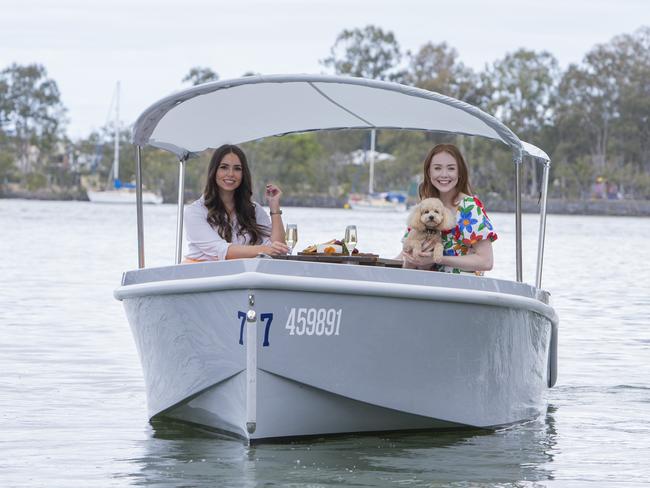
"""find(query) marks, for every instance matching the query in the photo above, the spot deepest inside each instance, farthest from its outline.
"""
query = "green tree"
(409, 149)
(523, 87)
(591, 102)
(31, 111)
(604, 108)
(160, 173)
(291, 161)
(436, 67)
(368, 53)
(631, 130)
(7, 168)
(199, 75)
(334, 168)
(523, 90)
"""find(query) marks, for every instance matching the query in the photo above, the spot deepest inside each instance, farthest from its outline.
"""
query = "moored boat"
(377, 202)
(122, 195)
(117, 191)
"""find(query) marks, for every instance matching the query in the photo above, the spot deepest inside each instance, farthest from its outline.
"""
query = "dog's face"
(430, 213)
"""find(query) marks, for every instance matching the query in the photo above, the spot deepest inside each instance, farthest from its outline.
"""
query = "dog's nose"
(430, 217)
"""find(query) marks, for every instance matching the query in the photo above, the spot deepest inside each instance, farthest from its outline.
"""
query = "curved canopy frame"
(254, 107)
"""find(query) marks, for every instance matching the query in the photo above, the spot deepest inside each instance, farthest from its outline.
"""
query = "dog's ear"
(413, 220)
(449, 220)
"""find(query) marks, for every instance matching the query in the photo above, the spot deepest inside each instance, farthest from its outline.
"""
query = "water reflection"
(180, 455)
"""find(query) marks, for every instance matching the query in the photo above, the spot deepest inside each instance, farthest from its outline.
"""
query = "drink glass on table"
(291, 236)
(350, 238)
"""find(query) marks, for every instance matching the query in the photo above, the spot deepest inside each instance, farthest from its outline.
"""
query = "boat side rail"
(254, 280)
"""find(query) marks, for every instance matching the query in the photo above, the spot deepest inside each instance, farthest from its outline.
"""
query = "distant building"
(361, 157)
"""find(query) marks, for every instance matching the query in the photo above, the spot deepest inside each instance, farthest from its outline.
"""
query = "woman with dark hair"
(468, 246)
(225, 223)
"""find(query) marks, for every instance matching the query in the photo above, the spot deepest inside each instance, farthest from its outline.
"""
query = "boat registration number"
(314, 321)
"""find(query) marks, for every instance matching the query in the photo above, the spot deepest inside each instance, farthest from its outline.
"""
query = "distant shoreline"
(618, 208)
(627, 208)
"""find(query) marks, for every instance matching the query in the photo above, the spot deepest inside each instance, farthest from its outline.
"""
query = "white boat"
(372, 201)
(376, 202)
(119, 192)
(122, 195)
(274, 348)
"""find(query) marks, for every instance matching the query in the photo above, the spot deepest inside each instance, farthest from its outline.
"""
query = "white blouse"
(204, 243)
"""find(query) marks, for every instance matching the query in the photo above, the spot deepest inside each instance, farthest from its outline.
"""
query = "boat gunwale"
(255, 280)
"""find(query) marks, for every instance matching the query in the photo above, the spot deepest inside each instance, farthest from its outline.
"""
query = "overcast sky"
(150, 45)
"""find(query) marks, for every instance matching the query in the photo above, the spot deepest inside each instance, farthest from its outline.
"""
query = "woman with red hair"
(468, 246)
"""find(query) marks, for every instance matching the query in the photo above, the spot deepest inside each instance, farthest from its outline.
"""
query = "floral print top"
(472, 225)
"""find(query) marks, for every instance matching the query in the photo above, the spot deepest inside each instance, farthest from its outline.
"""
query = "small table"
(361, 259)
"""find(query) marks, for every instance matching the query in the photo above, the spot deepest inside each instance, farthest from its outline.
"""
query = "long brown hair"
(244, 207)
(427, 190)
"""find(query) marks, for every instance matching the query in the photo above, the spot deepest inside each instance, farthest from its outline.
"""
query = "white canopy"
(245, 109)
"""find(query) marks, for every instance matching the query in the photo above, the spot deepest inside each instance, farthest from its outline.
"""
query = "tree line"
(592, 118)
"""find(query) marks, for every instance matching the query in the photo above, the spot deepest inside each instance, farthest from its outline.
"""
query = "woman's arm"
(423, 260)
(276, 244)
(204, 243)
(479, 259)
(277, 228)
(236, 251)
(273, 194)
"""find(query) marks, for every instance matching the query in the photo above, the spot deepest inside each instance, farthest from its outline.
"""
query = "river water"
(72, 400)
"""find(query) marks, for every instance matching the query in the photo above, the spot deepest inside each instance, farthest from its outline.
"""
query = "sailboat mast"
(372, 162)
(116, 151)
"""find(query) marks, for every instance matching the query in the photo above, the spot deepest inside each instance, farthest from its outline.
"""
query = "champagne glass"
(291, 235)
(350, 238)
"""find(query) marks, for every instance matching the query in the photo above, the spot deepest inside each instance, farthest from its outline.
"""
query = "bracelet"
(279, 212)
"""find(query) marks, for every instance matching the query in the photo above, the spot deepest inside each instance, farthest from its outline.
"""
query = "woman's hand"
(273, 194)
(238, 251)
(421, 260)
(276, 249)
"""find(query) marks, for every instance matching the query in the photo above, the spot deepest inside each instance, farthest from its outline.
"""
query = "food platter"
(366, 259)
(358, 255)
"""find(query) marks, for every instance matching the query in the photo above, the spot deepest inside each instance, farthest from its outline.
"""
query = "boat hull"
(336, 349)
(382, 206)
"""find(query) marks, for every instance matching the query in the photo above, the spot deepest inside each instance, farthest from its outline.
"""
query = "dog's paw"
(437, 253)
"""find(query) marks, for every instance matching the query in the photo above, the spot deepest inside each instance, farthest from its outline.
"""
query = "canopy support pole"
(138, 200)
(371, 177)
(179, 215)
(518, 234)
(542, 225)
